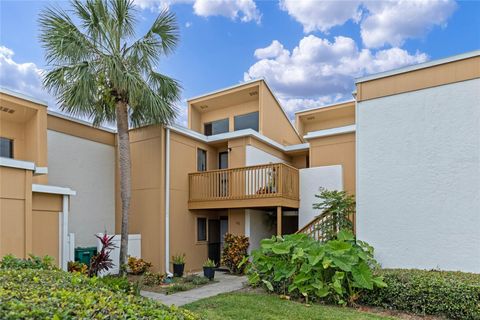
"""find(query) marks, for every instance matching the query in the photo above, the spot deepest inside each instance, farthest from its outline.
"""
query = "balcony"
(269, 185)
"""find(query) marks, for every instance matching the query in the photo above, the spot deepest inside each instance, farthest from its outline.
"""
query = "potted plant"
(178, 265)
(209, 269)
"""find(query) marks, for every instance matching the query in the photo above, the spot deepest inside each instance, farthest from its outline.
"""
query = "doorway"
(217, 228)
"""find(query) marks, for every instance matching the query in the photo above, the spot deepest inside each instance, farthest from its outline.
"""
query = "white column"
(65, 252)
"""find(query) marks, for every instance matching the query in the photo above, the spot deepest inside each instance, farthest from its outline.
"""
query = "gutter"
(167, 200)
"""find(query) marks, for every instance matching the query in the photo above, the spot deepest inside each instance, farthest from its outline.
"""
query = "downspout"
(65, 247)
(167, 200)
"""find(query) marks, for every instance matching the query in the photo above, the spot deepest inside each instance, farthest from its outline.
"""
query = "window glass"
(216, 127)
(247, 121)
(201, 229)
(201, 160)
(6, 148)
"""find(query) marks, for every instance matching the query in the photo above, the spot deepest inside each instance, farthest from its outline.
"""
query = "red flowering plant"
(102, 261)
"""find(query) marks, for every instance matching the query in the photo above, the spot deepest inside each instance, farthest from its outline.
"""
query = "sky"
(309, 52)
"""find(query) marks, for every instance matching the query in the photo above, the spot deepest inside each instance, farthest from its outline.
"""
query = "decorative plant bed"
(169, 285)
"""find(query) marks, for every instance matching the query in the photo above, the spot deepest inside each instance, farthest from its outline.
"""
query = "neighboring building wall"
(311, 180)
(336, 150)
(274, 123)
(87, 167)
(418, 191)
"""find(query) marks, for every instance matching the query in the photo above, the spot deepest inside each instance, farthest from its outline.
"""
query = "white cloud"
(321, 71)
(243, 10)
(321, 15)
(21, 77)
(388, 22)
(392, 22)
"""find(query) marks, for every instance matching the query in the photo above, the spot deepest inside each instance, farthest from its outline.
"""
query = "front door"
(214, 240)
(223, 160)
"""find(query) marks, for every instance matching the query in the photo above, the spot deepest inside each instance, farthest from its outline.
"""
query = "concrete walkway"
(226, 283)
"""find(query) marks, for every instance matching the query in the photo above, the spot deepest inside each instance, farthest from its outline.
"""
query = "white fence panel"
(134, 250)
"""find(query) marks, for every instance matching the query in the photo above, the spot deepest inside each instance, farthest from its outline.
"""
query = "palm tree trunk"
(125, 176)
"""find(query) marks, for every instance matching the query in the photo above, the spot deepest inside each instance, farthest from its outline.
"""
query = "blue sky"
(309, 51)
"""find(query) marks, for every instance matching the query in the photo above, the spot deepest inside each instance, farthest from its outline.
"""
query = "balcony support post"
(279, 221)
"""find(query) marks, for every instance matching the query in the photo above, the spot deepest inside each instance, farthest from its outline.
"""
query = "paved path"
(226, 283)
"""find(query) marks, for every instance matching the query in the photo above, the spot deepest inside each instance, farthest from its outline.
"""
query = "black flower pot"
(178, 269)
(209, 272)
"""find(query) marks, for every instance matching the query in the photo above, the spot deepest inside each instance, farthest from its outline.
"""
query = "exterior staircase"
(313, 228)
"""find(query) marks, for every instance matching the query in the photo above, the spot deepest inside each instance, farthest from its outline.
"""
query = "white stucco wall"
(255, 156)
(418, 177)
(311, 180)
(257, 227)
(87, 167)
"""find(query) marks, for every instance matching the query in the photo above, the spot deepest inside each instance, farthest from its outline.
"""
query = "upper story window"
(216, 127)
(246, 121)
(6, 148)
(201, 160)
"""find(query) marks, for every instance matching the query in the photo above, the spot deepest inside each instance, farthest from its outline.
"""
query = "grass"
(246, 305)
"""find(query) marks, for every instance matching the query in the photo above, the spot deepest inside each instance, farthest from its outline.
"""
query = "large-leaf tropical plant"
(99, 69)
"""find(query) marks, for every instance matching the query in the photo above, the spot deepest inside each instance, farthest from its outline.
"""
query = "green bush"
(153, 278)
(234, 251)
(33, 262)
(118, 284)
(300, 266)
(54, 294)
(455, 295)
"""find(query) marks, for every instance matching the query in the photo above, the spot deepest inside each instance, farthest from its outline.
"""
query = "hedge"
(55, 294)
(455, 295)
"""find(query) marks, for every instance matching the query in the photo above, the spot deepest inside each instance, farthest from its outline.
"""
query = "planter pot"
(178, 269)
(209, 272)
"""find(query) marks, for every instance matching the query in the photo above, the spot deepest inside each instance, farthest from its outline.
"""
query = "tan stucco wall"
(455, 71)
(336, 150)
(46, 210)
(15, 211)
(273, 121)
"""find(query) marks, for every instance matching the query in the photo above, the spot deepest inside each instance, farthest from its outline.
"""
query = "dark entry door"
(223, 176)
(214, 240)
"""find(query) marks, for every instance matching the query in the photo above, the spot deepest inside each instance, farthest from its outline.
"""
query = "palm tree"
(99, 70)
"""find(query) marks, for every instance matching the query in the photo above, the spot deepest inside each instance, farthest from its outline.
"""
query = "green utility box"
(84, 255)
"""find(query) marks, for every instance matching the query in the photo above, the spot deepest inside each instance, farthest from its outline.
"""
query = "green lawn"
(250, 306)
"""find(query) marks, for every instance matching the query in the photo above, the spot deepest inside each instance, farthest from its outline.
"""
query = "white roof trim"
(237, 134)
(325, 106)
(40, 171)
(19, 164)
(86, 123)
(43, 188)
(419, 66)
(225, 89)
(23, 96)
(330, 132)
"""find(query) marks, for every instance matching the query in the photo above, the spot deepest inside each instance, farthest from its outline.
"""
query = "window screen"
(247, 121)
(201, 229)
(216, 127)
(6, 148)
(201, 160)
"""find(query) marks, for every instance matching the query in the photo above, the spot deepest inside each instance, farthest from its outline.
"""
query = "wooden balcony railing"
(253, 182)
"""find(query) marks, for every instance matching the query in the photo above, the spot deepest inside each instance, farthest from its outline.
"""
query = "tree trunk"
(125, 176)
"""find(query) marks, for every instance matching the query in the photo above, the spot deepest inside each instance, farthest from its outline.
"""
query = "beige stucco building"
(240, 166)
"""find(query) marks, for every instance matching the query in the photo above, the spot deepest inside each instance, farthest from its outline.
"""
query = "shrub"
(455, 295)
(153, 279)
(138, 266)
(234, 251)
(196, 279)
(33, 262)
(338, 208)
(177, 287)
(300, 266)
(54, 294)
(118, 284)
(102, 261)
(76, 266)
